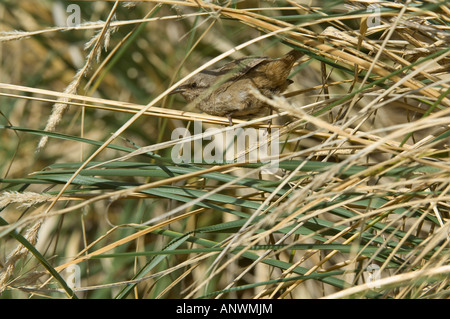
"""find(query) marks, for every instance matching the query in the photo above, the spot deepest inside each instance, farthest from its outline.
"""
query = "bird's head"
(195, 86)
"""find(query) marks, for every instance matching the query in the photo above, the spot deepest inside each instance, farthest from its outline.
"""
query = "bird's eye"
(193, 85)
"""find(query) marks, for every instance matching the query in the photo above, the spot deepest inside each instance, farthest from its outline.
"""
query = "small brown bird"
(226, 91)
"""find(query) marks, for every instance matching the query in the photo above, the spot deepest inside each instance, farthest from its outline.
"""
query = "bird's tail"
(292, 56)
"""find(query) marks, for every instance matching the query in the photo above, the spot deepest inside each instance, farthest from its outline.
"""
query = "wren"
(226, 91)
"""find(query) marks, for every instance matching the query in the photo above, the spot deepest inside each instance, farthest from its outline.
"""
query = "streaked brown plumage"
(225, 91)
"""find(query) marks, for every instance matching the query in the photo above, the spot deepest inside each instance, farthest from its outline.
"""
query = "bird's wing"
(241, 66)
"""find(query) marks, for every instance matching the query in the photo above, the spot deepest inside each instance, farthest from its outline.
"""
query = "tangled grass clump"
(357, 207)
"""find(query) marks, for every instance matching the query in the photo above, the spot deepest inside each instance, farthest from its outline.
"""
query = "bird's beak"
(179, 89)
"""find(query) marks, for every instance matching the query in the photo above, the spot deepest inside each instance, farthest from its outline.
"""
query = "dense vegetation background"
(359, 204)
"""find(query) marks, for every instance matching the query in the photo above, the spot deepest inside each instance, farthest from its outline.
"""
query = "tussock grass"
(358, 206)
